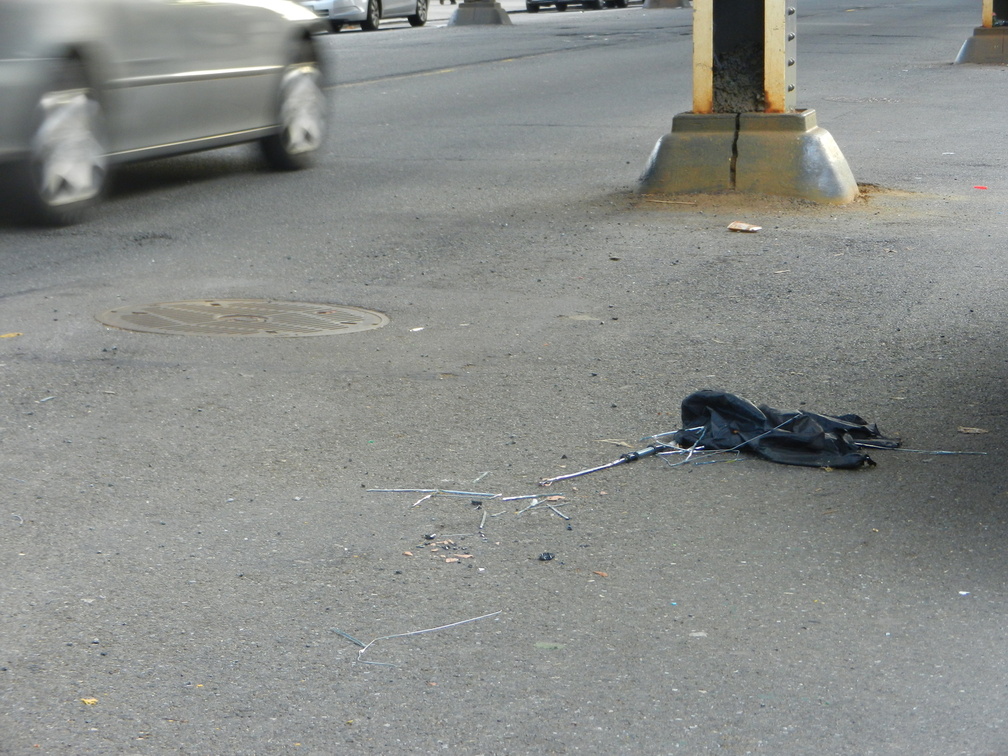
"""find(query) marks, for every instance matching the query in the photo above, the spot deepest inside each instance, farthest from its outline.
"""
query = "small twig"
(482, 475)
(669, 202)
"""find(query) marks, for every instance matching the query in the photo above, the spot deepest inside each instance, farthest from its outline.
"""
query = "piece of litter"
(964, 593)
(965, 429)
(89, 701)
(700, 634)
(744, 227)
(546, 557)
(979, 187)
(414, 330)
(11, 335)
(600, 573)
(407, 553)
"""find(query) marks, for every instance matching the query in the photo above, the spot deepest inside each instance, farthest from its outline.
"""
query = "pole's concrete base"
(480, 12)
(784, 154)
(668, 3)
(696, 156)
(788, 154)
(987, 45)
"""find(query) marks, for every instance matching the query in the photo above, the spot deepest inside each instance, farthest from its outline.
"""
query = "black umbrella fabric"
(717, 420)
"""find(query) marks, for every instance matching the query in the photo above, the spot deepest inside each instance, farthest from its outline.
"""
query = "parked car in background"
(533, 6)
(368, 13)
(87, 84)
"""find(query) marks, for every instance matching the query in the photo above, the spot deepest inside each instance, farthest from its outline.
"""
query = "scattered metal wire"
(869, 445)
(688, 451)
(430, 493)
(365, 646)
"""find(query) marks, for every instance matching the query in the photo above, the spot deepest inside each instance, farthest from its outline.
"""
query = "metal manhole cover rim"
(260, 318)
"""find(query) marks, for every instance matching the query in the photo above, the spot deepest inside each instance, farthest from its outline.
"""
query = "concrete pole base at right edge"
(782, 154)
(987, 45)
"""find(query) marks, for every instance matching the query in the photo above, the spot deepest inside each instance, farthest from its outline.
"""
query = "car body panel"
(171, 74)
(355, 11)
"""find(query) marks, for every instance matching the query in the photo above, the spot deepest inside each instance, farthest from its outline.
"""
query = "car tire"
(531, 8)
(66, 170)
(561, 7)
(373, 16)
(302, 116)
(420, 17)
(335, 26)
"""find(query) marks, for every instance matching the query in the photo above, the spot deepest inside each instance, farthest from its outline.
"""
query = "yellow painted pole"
(988, 13)
(775, 61)
(703, 56)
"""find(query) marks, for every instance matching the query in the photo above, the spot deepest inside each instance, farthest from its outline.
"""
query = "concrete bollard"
(989, 43)
(480, 13)
(744, 132)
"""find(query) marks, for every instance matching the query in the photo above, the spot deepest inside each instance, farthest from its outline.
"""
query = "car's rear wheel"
(335, 26)
(66, 169)
(532, 7)
(373, 16)
(561, 6)
(420, 17)
(302, 113)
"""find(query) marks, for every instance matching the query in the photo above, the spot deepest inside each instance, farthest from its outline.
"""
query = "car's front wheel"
(532, 7)
(561, 6)
(420, 17)
(373, 16)
(335, 26)
(66, 169)
(301, 117)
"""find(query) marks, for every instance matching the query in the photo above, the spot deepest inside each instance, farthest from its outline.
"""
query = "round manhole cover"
(243, 317)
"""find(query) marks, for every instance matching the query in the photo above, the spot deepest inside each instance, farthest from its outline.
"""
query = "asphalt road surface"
(189, 519)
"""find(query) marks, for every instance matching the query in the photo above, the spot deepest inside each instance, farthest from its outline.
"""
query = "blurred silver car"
(86, 84)
(368, 13)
